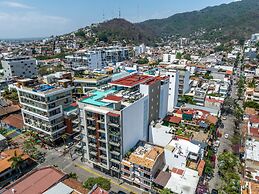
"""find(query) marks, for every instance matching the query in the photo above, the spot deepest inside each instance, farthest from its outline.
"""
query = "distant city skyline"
(30, 18)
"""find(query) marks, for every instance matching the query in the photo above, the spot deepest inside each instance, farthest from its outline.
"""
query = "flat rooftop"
(183, 181)
(132, 80)
(145, 155)
(96, 97)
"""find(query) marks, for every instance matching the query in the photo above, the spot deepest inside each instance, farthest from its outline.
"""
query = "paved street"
(83, 170)
(225, 144)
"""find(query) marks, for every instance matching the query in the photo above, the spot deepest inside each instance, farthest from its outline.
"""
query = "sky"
(42, 18)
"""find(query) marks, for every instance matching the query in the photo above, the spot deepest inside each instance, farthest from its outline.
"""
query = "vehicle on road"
(226, 136)
(214, 191)
(224, 118)
(217, 143)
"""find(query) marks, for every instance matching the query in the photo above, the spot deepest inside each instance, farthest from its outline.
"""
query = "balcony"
(92, 136)
(91, 128)
(102, 130)
(90, 118)
(115, 161)
(103, 156)
(102, 148)
(93, 152)
(115, 153)
(100, 121)
(92, 145)
(117, 144)
(114, 168)
(114, 124)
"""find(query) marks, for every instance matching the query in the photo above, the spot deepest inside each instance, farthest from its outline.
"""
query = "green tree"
(72, 175)
(251, 104)
(143, 61)
(100, 181)
(64, 138)
(16, 162)
(165, 191)
(227, 162)
(178, 55)
(11, 95)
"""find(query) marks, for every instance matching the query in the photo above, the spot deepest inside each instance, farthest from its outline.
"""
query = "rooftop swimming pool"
(43, 88)
(96, 97)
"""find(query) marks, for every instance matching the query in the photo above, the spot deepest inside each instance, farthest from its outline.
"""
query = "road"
(83, 170)
(225, 144)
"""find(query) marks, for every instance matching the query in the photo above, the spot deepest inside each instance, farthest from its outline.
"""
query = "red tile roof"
(229, 72)
(201, 166)
(113, 98)
(14, 120)
(111, 114)
(9, 109)
(173, 119)
(37, 181)
(99, 190)
(254, 118)
(254, 132)
(178, 171)
(213, 100)
(132, 80)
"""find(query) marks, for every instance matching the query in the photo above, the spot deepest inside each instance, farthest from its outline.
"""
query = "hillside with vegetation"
(237, 20)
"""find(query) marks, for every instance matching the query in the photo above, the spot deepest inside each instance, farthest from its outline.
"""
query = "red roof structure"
(132, 80)
(173, 119)
(254, 119)
(178, 171)
(37, 181)
(98, 190)
(113, 98)
(254, 132)
(14, 120)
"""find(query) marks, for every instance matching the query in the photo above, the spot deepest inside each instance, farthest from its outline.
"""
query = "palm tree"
(64, 137)
(16, 162)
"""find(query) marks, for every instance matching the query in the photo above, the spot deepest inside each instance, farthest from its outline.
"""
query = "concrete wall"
(135, 123)
(173, 89)
(159, 135)
(22, 68)
(163, 100)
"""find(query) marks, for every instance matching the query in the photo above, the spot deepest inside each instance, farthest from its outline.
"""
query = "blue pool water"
(97, 96)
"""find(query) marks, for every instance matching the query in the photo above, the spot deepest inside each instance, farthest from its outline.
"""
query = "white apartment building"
(173, 89)
(89, 60)
(115, 117)
(138, 50)
(23, 67)
(42, 107)
(169, 58)
(114, 54)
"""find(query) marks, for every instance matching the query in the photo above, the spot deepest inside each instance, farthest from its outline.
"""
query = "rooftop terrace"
(132, 80)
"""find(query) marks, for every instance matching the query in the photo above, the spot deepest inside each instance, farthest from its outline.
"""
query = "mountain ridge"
(236, 20)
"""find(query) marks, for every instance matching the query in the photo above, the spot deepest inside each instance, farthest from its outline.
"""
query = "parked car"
(214, 191)
(226, 136)
(217, 143)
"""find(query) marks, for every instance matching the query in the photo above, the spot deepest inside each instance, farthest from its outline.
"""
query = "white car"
(224, 118)
(226, 135)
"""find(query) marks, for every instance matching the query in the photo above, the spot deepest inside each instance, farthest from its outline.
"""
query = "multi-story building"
(88, 60)
(252, 94)
(43, 106)
(98, 58)
(173, 89)
(23, 67)
(142, 165)
(116, 117)
(92, 81)
(114, 54)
